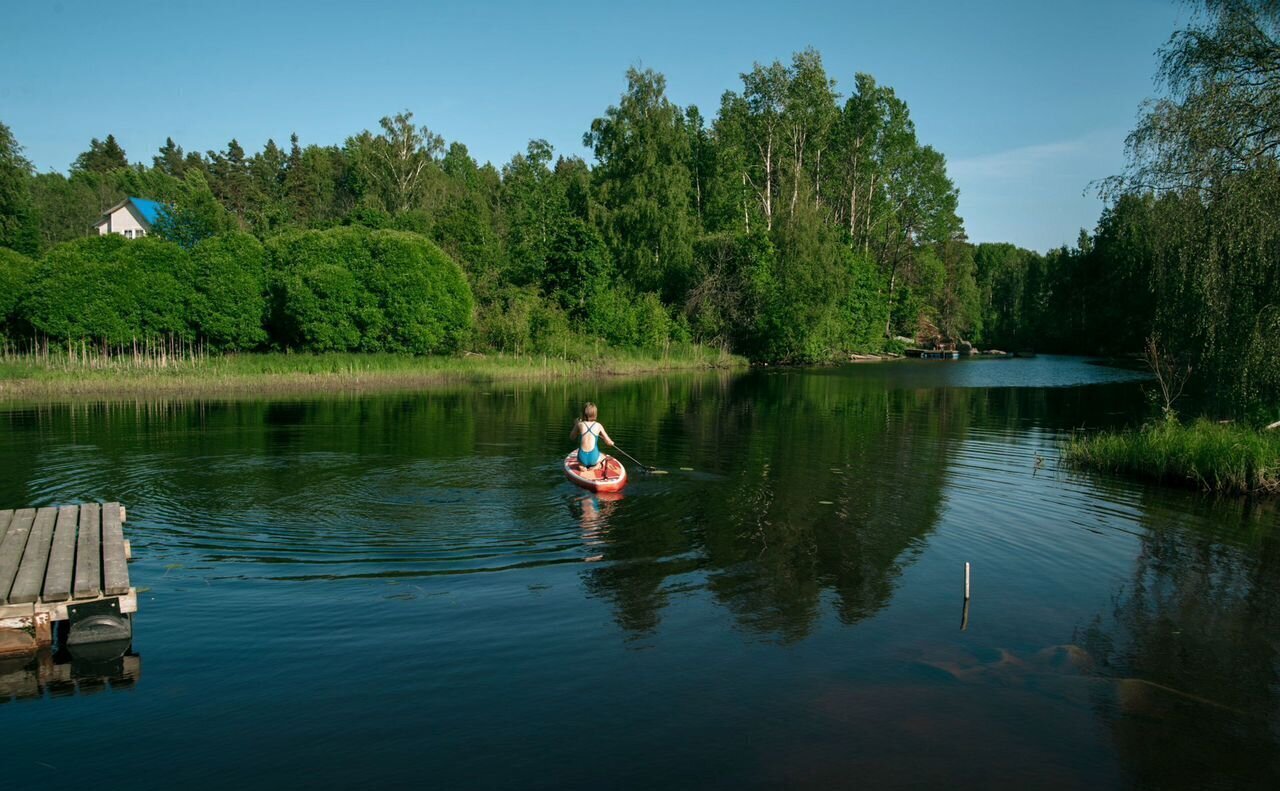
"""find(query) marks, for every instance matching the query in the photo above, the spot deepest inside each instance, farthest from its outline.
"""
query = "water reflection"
(779, 609)
(594, 511)
(62, 674)
(1194, 633)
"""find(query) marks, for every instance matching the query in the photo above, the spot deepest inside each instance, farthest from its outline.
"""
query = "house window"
(128, 233)
(138, 234)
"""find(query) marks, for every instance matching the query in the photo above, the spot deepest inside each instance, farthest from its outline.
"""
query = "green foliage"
(422, 292)
(16, 271)
(229, 305)
(19, 229)
(520, 321)
(349, 289)
(790, 227)
(103, 156)
(1187, 249)
(624, 319)
(864, 307)
(642, 180)
(195, 214)
(577, 263)
(395, 166)
(724, 305)
(111, 291)
(1224, 458)
(1002, 275)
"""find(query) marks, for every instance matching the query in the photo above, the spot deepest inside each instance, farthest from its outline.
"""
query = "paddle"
(643, 466)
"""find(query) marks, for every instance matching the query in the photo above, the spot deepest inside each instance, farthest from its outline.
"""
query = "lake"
(356, 590)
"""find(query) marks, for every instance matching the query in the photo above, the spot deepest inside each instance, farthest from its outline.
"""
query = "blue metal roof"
(149, 209)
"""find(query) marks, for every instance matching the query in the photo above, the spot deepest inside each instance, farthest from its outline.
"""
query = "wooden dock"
(67, 563)
(933, 354)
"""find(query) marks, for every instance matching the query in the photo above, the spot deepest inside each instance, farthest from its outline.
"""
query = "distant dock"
(933, 354)
(64, 565)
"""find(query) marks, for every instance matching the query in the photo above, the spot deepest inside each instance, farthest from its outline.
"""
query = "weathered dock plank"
(30, 579)
(88, 582)
(62, 556)
(12, 547)
(115, 564)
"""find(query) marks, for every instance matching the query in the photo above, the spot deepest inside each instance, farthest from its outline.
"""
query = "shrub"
(16, 271)
(422, 292)
(111, 290)
(623, 319)
(349, 289)
(229, 305)
(520, 321)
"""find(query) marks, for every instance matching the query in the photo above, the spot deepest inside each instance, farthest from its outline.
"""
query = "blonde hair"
(589, 411)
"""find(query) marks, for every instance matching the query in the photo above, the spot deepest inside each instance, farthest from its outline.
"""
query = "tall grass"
(1223, 458)
(162, 368)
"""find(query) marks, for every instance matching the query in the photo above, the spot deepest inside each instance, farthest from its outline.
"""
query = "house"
(131, 218)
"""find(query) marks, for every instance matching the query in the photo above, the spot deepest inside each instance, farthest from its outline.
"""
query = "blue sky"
(1029, 101)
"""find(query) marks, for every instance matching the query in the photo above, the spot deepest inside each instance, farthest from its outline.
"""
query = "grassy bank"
(1224, 458)
(58, 374)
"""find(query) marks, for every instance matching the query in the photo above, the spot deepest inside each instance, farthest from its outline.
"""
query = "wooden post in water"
(966, 581)
(964, 614)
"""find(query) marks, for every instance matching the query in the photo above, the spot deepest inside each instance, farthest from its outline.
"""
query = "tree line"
(795, 225)
(798, 224)
(1186, 254)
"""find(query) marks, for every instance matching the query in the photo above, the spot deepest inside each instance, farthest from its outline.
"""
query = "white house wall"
(123, 219)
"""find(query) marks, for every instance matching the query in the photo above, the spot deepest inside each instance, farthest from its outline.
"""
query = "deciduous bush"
(229, 305)
(111, 290)
(521, 321)
(349, 289)
(622, 318)
(15, 275)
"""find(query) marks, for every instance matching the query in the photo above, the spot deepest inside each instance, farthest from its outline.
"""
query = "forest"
(796, 225)
(804, 221)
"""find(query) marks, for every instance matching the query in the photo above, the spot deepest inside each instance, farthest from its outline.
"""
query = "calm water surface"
(350, 591)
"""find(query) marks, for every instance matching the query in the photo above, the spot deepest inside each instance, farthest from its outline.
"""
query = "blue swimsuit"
(589, 458)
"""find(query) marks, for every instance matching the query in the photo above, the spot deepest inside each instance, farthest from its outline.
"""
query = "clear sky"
(1029, 100)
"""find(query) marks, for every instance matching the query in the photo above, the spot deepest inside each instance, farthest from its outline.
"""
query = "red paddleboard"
(607, 476)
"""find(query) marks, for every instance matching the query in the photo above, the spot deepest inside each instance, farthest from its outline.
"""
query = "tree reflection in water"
(1198, 624)
(832, 486)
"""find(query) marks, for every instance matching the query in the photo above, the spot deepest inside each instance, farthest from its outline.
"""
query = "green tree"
(318, 185)
(232, 183)
(533, 205)
(16, 271)
(195, 215)
(397, 164)
(111, 291)
(67, 207)
(1207, 147)
(103, 156)
(642, 181)
(351, 289)
(229, 306)
(170, 160)
(19, 226)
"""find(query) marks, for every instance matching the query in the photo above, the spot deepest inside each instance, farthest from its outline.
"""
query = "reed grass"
(1214, 457)
(162, 369)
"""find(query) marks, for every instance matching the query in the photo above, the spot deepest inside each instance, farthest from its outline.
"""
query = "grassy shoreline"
(1214, 457)
(27, 377)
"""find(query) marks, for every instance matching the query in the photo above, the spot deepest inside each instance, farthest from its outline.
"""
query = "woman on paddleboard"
(588, 431)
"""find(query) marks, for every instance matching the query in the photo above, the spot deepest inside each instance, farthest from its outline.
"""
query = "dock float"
(64, 564)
